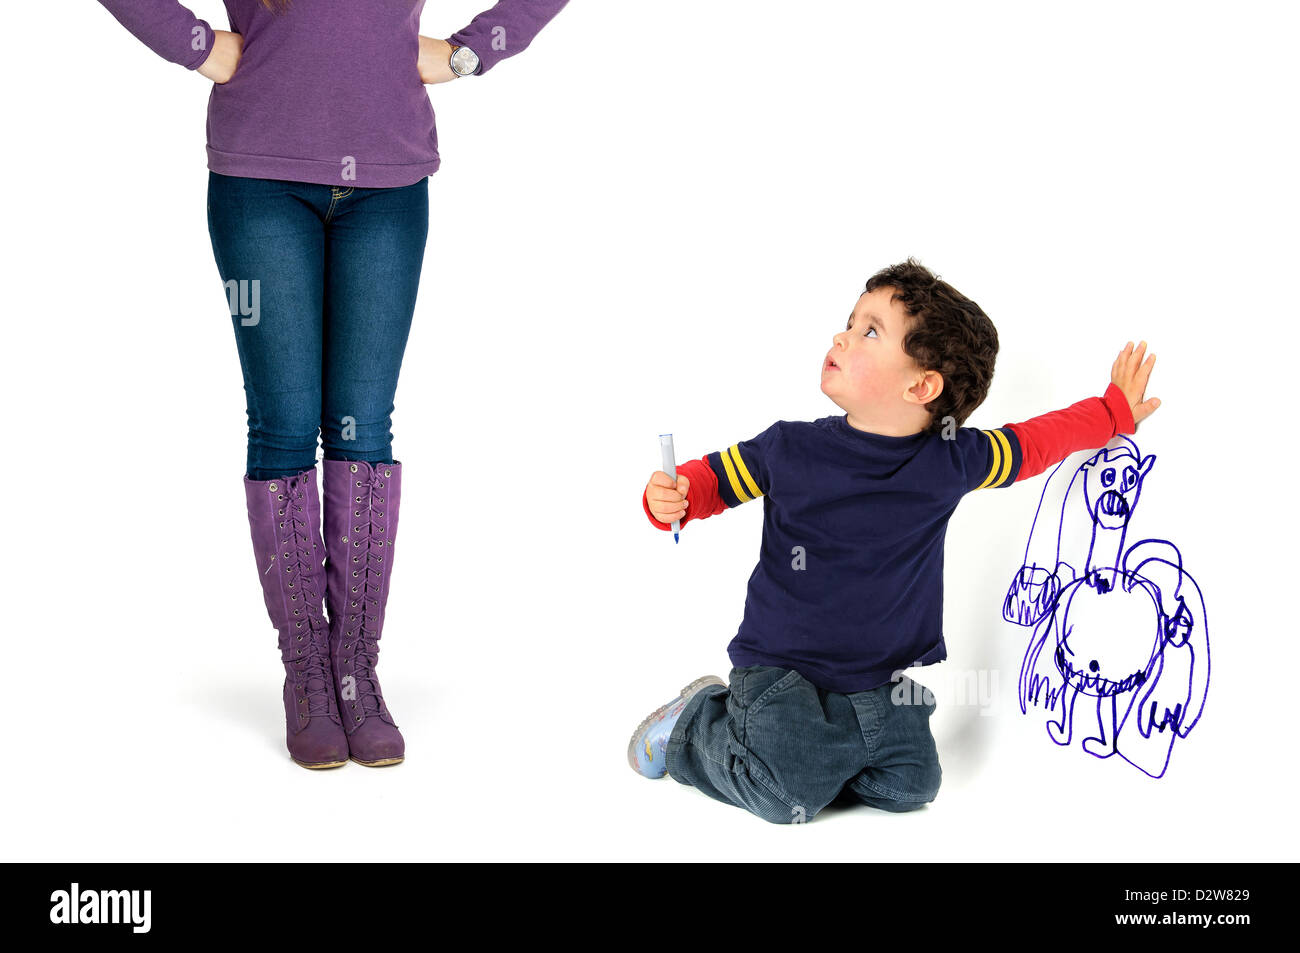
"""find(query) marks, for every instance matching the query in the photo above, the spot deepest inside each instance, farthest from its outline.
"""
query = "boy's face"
(868, 374)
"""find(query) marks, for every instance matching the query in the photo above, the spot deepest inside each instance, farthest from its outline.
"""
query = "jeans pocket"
(763, 687)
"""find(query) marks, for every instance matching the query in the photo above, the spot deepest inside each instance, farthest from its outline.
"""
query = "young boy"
(848, 590)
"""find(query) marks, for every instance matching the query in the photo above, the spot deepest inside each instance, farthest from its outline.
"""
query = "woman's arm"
(167, 28)
(435, 61)
(221, 62)
(504, 30)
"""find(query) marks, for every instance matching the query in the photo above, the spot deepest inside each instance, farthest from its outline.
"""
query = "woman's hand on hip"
(435, 61)
(221, 62)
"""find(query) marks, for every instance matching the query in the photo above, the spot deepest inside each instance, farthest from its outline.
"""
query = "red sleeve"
(702, 496)
(1050, 438)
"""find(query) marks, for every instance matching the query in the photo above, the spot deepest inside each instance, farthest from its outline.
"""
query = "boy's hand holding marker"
(667, 499)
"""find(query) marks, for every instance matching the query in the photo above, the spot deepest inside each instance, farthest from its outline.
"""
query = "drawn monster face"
(1107, 638)
(1112, 483)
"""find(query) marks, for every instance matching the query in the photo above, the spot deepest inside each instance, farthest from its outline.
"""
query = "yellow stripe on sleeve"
(1007, 457)
(997, 460)
(744, 472)
(725, 456)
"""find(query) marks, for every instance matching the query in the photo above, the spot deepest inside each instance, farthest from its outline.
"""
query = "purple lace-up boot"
(284, 519)
(361, 503)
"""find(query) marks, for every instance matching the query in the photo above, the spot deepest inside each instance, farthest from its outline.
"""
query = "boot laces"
(369, 537)
(307, 650)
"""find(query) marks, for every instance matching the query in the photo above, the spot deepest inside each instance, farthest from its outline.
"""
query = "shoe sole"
(381, 763)
(318, 765)
(686, 692)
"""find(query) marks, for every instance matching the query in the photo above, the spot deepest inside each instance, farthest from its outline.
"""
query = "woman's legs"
(268, 238)
(374, 250)
(322, 283)
(269, 241)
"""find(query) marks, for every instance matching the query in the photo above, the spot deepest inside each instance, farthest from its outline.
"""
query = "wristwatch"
(464, 61)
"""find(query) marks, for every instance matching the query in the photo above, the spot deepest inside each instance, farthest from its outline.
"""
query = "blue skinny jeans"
(321, 282)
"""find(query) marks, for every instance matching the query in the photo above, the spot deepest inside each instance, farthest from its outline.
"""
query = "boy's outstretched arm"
(696, 482)
(1050, 438)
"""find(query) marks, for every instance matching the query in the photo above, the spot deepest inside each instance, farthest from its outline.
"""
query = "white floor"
(146, 739)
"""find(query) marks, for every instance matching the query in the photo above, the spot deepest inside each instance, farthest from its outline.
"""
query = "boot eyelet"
(358, 483)
(282, 524)
(356, 544)
(354, 469)
(354, 588)
(379, 484)
(279, 513)
(300, 638)
(273, 487)
(358, 717)
(280, 497)
(343, 539)
(356, 512)
(388, 473)
(355, 574)
(354, 605)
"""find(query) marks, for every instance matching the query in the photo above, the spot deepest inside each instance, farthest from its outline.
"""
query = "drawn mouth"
(1090, 683)
(1113, 504)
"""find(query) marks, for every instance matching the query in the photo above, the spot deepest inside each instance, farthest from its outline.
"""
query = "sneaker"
(646, 751)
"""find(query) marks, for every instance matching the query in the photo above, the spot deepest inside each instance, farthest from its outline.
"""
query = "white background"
(673, 206)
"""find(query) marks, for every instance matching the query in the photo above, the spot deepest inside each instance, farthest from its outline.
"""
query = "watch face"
(464, 61)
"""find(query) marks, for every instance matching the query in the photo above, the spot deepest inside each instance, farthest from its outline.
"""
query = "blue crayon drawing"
(1127, 630)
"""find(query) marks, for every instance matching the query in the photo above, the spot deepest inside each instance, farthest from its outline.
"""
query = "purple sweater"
(328, 91)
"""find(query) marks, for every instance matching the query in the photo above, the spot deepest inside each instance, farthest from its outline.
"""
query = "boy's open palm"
(1130, 374)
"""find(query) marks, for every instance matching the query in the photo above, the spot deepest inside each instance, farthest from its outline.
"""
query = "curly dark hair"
(948, 333)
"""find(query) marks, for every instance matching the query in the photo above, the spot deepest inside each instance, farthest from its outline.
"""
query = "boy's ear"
(927, 388)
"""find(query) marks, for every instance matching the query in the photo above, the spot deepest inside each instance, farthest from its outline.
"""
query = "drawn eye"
(1130, 478)
(1108, 476)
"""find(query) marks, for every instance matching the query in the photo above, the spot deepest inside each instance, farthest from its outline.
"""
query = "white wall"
(677, 204)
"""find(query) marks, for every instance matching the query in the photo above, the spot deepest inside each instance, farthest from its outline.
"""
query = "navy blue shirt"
(848, 589)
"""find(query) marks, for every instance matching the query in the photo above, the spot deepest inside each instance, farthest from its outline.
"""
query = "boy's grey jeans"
(778, 746)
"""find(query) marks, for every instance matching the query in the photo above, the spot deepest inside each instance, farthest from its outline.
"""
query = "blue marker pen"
(670, 467)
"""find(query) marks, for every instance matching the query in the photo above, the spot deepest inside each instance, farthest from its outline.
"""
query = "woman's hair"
(947, 333)
(276, 6)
